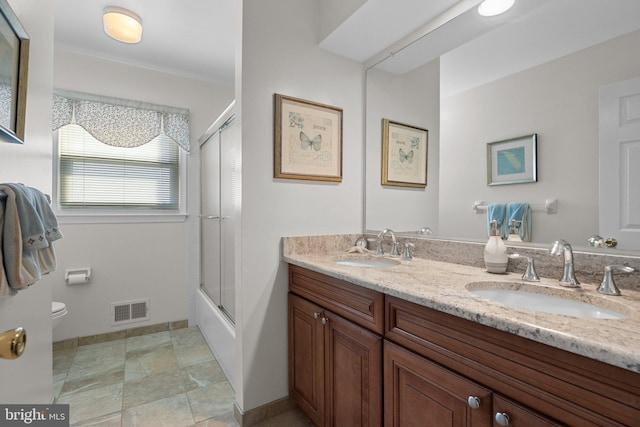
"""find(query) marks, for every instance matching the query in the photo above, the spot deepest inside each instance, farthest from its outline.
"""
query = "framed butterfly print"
(307, 140)
(404, 155)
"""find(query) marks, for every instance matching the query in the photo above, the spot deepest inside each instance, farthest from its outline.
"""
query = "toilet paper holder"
(74, 276)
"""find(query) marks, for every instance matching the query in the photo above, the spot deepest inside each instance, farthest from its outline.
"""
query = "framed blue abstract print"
(512, 161)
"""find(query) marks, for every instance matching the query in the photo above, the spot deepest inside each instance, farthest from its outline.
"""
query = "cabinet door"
(353, 360)
(508, 413)
(421, 393)
(306, 357)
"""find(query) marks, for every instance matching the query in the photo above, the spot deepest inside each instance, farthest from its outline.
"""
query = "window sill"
(112, 218)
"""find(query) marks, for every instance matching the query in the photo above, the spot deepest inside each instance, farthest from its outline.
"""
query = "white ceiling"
(196, 38)
(191, 38)
(550, 30)
(379, 23)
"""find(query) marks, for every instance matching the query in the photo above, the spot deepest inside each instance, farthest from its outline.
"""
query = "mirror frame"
(15, 131)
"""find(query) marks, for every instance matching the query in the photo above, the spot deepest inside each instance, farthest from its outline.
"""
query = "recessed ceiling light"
(122, 24)
(494, 7)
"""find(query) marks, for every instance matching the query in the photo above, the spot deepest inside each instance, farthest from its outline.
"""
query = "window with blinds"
(96, 175)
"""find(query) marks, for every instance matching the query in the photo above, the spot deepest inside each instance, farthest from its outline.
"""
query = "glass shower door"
(230, 208)
(220, 214)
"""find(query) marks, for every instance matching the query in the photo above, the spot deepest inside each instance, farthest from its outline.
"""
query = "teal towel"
(496, 211)
(521, 212)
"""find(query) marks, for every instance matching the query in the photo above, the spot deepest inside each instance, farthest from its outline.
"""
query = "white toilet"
(58, 311)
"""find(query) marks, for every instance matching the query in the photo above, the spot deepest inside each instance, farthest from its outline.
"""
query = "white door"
(619, 169)
(27, 379)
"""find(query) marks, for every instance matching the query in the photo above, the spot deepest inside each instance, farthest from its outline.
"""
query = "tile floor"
(167, 378)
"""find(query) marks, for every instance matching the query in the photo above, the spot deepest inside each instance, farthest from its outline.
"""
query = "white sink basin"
(537, 298)
(367, 262)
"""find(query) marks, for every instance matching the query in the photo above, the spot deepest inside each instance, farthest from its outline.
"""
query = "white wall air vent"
(129, 311)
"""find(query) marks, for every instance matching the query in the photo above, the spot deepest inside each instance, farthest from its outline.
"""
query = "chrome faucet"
(394, 246)
(407, 254)
(561, 247)
(608, 285)
(529, 274)
(425, 230)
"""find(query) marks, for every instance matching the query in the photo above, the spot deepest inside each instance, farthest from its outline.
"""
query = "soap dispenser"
(495, 252)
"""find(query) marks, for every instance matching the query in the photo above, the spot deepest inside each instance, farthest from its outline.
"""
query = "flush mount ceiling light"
(494, 7)
(122, 24)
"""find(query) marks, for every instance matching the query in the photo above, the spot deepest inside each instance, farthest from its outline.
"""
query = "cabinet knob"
(473, 402)
(324, 320)
(316, 315)
(502, 419)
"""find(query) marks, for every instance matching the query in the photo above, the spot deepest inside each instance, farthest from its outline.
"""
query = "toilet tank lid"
(57, 306)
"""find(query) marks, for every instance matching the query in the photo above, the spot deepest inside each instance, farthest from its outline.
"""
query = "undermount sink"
(367, 262)
(546, 300)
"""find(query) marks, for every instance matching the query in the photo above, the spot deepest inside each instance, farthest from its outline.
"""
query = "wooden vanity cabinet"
(437, 369)
(335, 364)
(541, 382)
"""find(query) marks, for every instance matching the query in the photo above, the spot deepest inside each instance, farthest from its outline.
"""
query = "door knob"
(12, 343)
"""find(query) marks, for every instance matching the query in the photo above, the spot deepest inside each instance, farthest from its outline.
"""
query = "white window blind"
(96, 175)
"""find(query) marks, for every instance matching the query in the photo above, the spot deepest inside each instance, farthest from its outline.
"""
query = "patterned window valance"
(120, 122)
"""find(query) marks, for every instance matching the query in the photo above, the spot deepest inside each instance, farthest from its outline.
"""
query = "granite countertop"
(445, 287)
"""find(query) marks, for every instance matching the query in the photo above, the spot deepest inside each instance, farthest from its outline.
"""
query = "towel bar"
(550, 206)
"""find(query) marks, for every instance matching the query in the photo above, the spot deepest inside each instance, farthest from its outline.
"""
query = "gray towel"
(5, 289)
(49, 221)
(25, 260)
(23, 200)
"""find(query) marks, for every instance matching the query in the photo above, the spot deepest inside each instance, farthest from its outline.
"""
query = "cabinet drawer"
(362, 306)
(517, 415)
(565, 386)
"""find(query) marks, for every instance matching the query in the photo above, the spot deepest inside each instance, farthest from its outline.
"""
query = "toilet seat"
(58, 308)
